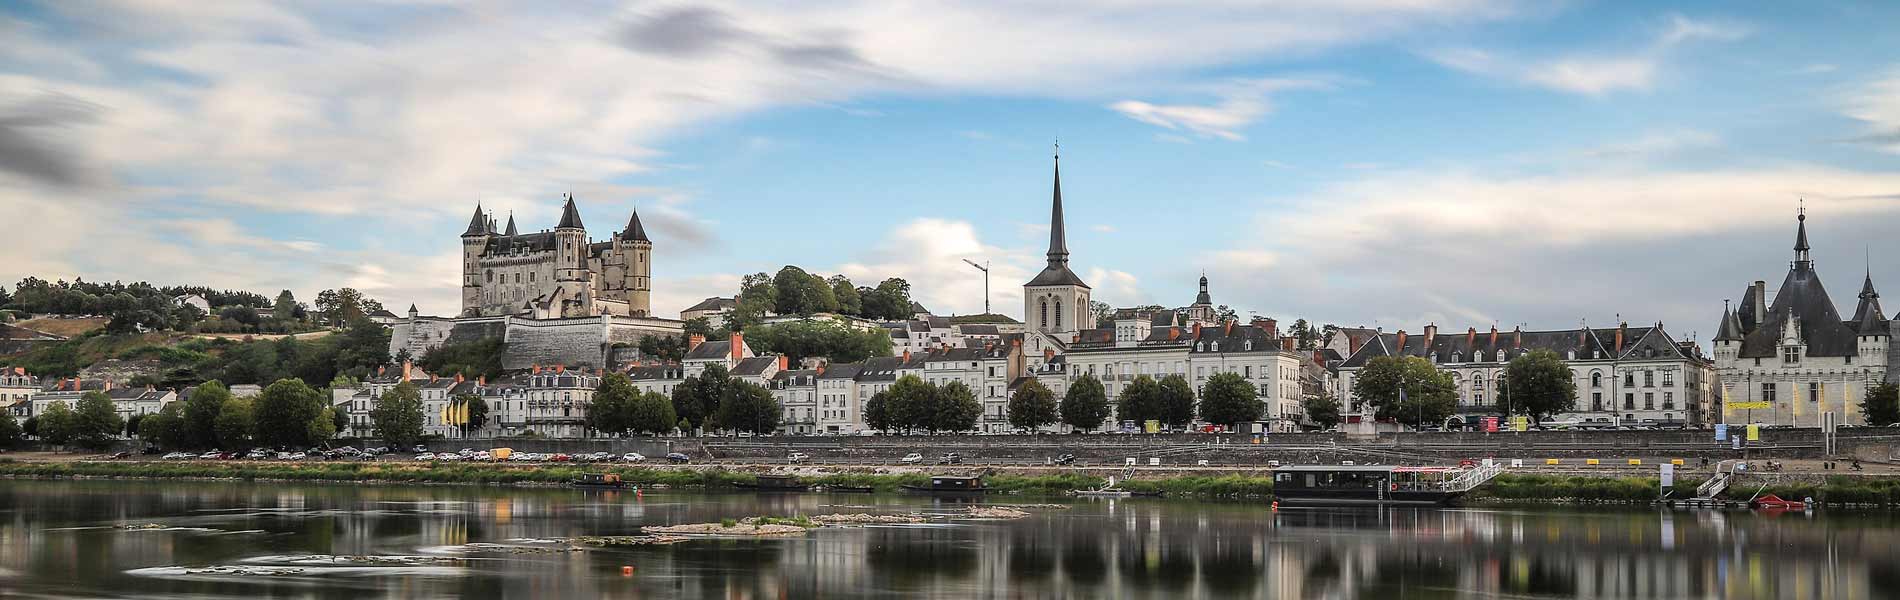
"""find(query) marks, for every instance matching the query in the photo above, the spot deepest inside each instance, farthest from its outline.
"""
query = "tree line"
(794, 291)
(140, 305)
(1225, 399)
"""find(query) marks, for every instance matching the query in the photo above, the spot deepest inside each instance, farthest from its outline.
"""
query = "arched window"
(1045, 313)
(489, 275)
(1058, 313)
(1454, 357)
(1477, 381)
(1500, 356)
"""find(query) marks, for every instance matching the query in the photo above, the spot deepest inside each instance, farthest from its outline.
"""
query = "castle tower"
(633, 247)
(574, 295)
(474, 242)
(1056, 301)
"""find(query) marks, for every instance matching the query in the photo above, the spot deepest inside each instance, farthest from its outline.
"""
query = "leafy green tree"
(1227, 399)
(1085, 406)
(201, 414)
(849, 301)
(652, 413)
(397, 417)
(339, 420)
(1140, 401)
(1430, 395)
(889, 301)
(233, 424)
(341, 305)
(323, 426)
(823, 337)
(877, 413)
(612, 408)
(477, 411)
(285, 308)
(165, 428)
(697, 398)
(10, 433)
(910, 403)
(1032, 407)
(283, 412)
(132, 425)
(956, 408)
(1177, 401)
(96, 421)
(757, 298)
(478, 358)
(1322, 409)
(1881, 405)
(31, 426)
(1538, 384)
(701, 326)
(670, 348)
(748, 408)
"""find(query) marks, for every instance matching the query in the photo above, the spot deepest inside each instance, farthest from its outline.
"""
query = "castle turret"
(574, 293)
(474, 242)
(636, 250)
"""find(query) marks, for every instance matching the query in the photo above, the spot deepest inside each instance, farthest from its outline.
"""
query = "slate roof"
(842, 371)
(916, 308)
(1587, 344)
(1802, 298)
(753, 367)
(710, 350)
(1057, 272)
(713, 303)
(1868, 319)
(882, 368)
(477, 226)
(656, 373)
(978, 330)
(570, 216)
(511, 225)
(540, 241)
(1234, 339)
(634, 232)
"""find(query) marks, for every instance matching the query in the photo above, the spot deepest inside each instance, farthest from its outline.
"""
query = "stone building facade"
(558, 273)
(1056, 301)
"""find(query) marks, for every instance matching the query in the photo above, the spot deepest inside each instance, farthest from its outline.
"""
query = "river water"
(67, 539)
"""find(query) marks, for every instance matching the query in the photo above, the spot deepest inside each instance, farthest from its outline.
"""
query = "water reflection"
(64, 539)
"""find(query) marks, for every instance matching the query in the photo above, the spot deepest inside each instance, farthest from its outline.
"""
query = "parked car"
(426, 456)
(212, 455)
(678, 458)
(419, 449)
(912, 458)
(950, 458)
(633, 457)
(447, 457)
(177, 456)
(483, 455)
(298, 456)
(1065, 459)
(560, 457)
(258, 454)
(121, 454)
(798, 457)
(600, 457)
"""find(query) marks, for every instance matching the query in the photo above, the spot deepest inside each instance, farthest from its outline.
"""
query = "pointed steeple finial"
(511, 224)
(634, 231)
(1058, 254)
(1801, 258)
(477, 225)
(570, 216)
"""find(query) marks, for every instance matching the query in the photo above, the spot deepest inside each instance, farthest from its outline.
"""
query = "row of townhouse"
(830, 399)
(1157, 344)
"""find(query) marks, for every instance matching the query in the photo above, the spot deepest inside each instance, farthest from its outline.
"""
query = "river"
(68, 539)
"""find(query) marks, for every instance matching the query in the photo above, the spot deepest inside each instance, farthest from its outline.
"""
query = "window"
(1200, 372)
(489, 275)
(1454, 357)
(1814, 391)
(1768, 392)
(1649, 400)
(530, 277)
(1045, 313)
(1629, 401)
(517, 278)
(1596, 379)
(1249, 371)
(1477, 381)
(1500, 356)
(1058, 314)
(1669, 400)
(1649, 378)
(1629, 379)
(1791, 355)
(1596, 401)
(1669, 379)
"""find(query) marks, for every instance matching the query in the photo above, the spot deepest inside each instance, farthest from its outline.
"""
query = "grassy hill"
(65, 327)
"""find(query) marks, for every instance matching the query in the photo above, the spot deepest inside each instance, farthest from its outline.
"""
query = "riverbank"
(1505, 489)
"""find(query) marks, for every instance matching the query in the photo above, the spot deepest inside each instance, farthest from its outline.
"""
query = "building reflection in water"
(55, 538)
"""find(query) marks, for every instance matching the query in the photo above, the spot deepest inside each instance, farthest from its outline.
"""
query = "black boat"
(608, 481)
(774, 483)
(1347, 485)
(950, 484)
(850, 489)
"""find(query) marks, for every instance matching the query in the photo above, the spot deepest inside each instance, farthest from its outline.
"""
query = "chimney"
(1287, 344)
(783, 362)
(1197, 330)
(738, 342)
(1517, 337)
(1319, 357)
(1431, 332)
(380, 369)
(1017, 343)
(1621, 328)
(1401, 345)
(1273, 328)
(906, 357)
(537, 369)
(108, 385)
(482, 381)
(1494, 336)
(1471, 337)
(560, 368)
(1048, 354)
(1174, 333)
(431, 378)
(406, 367)
(1227, 329)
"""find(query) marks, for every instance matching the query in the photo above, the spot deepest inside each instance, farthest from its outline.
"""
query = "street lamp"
(985, 268)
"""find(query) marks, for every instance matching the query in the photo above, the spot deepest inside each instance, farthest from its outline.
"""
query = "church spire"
(1801, 258)
(478, 225)
(570, 216)
(1203, 297)
(1058, 243)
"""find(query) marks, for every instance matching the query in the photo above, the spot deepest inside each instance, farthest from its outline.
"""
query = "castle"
(555, 274)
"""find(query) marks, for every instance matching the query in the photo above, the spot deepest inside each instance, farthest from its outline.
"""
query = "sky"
(1382, 163)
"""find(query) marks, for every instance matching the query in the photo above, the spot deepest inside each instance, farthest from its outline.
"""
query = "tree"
(1140, 401)
(748, 408)
(1085, 407)
(1322, 409)
(849, 301)
(652, 413)
(828, 338)
(1224, 313)
(132, 425)
(877, 413)
(1227, 399)
(31, 426)
(1538, 384)
(1429, 394)
(96, 422)
(477, 411)
(613, 404)
(889, 301)
(341, 305)
(1032, 407)
(1177, 401)
(339, 420)
(165, 428)
(397, 418)
(956, 408)
(233, 424)
(796, 295)
(1881, 405)
(201, 414)
(284, 310)
(757, 298)
(471, 359)
(1104, 313)
(1307, 336)
(281, 415)
(910, 403)
(700, 326)
(323, 426)
(697, 398)
(10, 433)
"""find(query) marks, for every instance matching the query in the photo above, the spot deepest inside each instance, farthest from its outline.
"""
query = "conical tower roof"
(570, 216)
(511, 224)
(1731, 328)
(477, 225)
(634, 231)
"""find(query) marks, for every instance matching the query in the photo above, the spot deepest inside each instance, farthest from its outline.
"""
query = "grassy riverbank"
(1578, 489)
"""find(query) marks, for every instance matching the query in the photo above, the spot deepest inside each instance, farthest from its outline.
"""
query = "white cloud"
(1240, 104)
(1592, 73)
(1657, 144)
(1877, 104)
(1103, 228)
(929, 253)
(1115, 287)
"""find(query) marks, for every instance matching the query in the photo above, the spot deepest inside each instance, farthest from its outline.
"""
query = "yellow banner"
(1849, 404)
(1521, 423)
(1151, 425)
(1727, 406)
(1754, 432)
(1750, 405)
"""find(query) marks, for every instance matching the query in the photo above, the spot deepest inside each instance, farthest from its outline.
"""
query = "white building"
(1258, 354)
(1796, 359)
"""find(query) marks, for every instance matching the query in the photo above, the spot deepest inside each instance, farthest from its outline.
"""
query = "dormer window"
(1791, 355)
(1249, 345)
(1215, 346)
